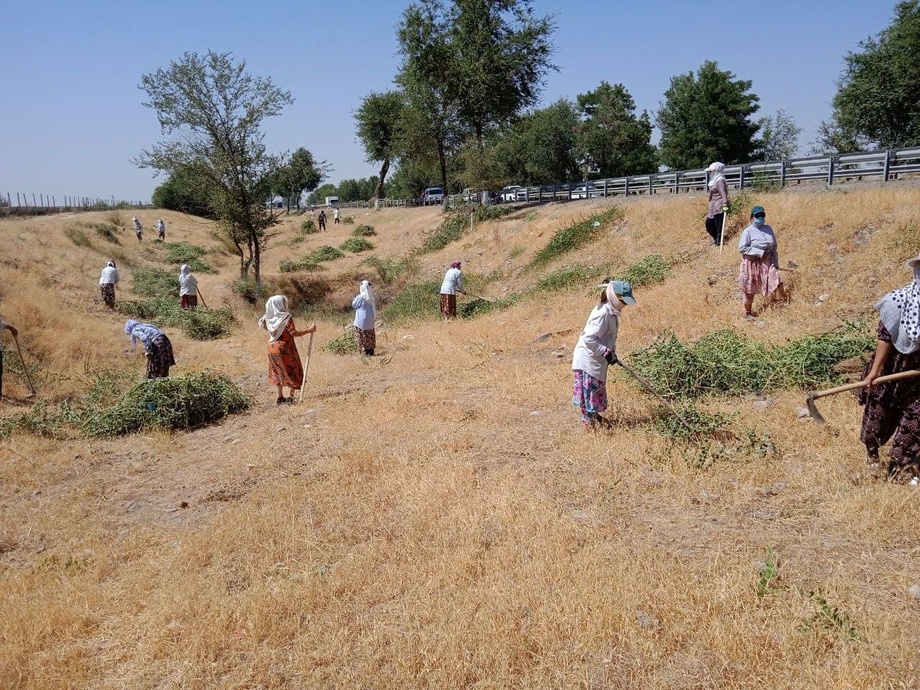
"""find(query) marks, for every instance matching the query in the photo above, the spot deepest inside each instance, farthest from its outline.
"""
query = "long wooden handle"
(306, 366)
(910, 373)
(25, 369)
(203, 303)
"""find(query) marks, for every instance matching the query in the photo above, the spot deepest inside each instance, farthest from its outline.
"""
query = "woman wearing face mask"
(718, 202)
(759, 273)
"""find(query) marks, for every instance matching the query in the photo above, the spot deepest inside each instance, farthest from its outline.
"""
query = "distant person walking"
(284, 367)
(5, 326)
(107, 282)
(161, 229)
(365, 306)
(138, 228)
(188, 288)
(759, 274)
(335, 216)
(718, 202)
(452, 284)
(157, 348)
(322, 221)
(596, 349)
(893, 409)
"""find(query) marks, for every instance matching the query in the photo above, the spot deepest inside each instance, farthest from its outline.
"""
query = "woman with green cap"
(759, 274)
(596, 350)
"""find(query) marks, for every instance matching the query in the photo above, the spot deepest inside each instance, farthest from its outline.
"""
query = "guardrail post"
(830, 170)
(741, 179)
(650, 190)
(626, 186)
(677, 182)
(782, 173)
(887, 165)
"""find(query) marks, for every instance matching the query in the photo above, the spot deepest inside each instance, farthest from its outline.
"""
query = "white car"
(509, 193)
(583, 192)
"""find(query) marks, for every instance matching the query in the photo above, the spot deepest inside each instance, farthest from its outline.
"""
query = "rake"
(814, 395)
(25, 369)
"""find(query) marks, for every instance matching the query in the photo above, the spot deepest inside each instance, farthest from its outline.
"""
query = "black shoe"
(289, 401)
(279, 401)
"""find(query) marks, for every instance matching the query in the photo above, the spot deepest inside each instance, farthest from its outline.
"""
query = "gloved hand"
(725, 209)
(611, 357)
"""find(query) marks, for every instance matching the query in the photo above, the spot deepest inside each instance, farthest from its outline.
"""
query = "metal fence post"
(626, 186)
(741, 179)
(677, 182)
(650, 191)
(830, 170)
(887, 165)
(782, 173)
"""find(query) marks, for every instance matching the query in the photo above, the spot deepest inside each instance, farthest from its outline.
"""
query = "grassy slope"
(435, 516)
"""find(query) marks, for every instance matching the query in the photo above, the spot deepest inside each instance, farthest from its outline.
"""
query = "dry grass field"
(436, 516)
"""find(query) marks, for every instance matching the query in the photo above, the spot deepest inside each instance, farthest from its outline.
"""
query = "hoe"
(814, 395)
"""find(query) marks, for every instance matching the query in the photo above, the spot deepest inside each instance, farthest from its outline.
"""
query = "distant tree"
(707, 117)
(215, 110)
(318, 196)
(378, 118)
(540, 148)
(181, 192)
(468, 65)
(349, 190)
(877, 96)
(301, 173)
(832, 138)
(611, 140)
(779, 137)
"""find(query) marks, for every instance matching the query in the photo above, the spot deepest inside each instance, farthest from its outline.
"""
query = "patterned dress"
(284, 367)
(589, 394)
(758, 276)
(108, 294)
(159, 357)
(893, 411)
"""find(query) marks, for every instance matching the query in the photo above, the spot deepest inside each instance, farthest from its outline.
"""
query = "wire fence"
(19, 203)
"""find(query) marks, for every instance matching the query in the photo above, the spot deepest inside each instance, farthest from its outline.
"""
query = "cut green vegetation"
(363, 231)
(345, 344)
(305, 264)
(575, 236)
(155, 282)
(356, 245)
(198, 324)
(728, 362)
(415, 301)
(179, 253)
(308, 227)
(647, 271)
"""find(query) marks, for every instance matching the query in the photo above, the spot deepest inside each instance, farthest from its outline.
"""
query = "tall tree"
(182, 192)
(877, 96)
(832, 137)
(540, 147)
(213, 110)
(612, 141)
(779, 136)
(707, 117)
(378, 118)
(301, 174)
(468, 65)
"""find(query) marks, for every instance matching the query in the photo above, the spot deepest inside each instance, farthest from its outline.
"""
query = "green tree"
(540, 148)
(832, 137)
(468, 65)
(318, 196)
(378, 118)
(213, 110)
(181, 192)
(612, 141)
(301, 174)
(707, 117)
(779, 137)
(877, 96)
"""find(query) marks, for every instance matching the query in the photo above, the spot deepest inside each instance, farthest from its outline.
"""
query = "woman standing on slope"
(718, 202)
(453, 283)
(107, 282)
(188, 288)
(759, 273)
(284, 367)
(365, 306)
(596, 349)
(893, 409)
(157, 348)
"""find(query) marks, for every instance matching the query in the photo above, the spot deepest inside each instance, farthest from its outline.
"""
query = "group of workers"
(892, 409)
(139, 228)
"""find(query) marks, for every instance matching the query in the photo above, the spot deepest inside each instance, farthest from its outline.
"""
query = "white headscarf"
(184, 270)
(716, 168)
(367, 292)
(276, 317)
(899, 310)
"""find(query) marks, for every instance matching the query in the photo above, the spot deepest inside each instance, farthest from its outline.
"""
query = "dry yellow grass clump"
(436, 516)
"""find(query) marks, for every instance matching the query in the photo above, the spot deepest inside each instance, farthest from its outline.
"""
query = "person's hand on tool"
(610, 356)
(725, 209)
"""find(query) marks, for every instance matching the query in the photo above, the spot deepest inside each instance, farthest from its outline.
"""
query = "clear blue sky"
(71, 118)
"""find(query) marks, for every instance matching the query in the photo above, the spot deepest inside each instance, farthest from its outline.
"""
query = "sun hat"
(758, 209)
(623, 290)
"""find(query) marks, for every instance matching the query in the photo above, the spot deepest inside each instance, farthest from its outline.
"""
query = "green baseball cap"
(758, 209)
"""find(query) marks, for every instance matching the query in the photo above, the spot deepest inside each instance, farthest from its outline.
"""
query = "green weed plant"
(575, 236)
(199, 324)
(356, 245)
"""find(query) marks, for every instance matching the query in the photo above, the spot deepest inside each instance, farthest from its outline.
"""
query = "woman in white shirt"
(365, 306)
(759, 273)
(188, 288)
(596, 350)
(107, 282)
(453, 283)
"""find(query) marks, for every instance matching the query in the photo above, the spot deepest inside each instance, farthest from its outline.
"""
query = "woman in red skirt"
(284, 367)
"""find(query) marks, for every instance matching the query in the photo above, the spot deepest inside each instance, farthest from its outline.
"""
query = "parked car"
(432, 195)
(589, 192)
(471, 195)
(509, 193)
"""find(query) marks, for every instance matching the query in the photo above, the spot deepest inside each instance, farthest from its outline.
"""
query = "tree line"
(463, 114)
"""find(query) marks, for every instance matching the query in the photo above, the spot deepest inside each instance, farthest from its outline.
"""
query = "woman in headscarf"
(718, 202)
(107, 282)
(893, 409)
(365, 306)
(188, 288)
(157, 348)
(453, 283)
(596, 350)
(284, 367)
(759, 273)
